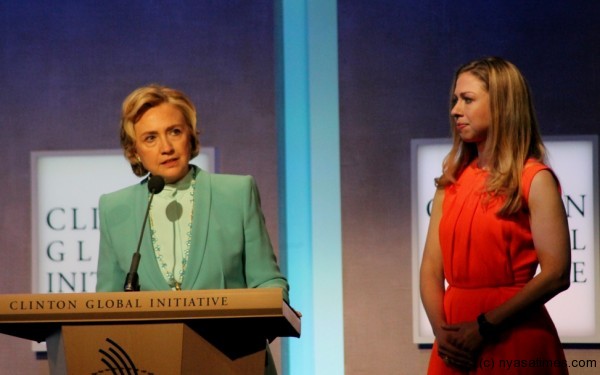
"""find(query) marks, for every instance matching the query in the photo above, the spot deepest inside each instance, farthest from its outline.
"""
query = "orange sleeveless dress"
(487, 260)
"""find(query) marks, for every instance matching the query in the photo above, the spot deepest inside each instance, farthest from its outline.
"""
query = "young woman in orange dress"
(497, 214)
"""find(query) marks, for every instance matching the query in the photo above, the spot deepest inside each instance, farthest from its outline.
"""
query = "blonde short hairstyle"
(140, 101)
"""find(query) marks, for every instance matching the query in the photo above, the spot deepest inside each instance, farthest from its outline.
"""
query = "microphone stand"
(132, 282)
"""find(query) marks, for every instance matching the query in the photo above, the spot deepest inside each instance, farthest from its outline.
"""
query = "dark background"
(65, 68)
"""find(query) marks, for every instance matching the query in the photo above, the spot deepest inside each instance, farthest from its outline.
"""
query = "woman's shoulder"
(123, 194)
(227, 189)
(534, 164)
(226, 181)
(532, 168)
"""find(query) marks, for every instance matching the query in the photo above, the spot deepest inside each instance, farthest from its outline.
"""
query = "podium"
(213, 332)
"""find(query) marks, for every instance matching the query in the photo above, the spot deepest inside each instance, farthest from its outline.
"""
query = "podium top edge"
(122, 294)
(50, 306)
(98, 307)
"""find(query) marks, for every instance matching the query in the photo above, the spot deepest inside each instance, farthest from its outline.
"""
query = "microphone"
(132, 284)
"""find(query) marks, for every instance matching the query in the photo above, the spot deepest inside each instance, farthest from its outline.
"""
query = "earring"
(138, 159)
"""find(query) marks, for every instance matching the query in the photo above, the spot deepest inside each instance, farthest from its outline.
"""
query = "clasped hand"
(459, 344)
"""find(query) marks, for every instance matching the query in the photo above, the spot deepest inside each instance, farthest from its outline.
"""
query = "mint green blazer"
(230, 245)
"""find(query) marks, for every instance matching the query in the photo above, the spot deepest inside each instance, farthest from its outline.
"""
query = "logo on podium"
(118, 361)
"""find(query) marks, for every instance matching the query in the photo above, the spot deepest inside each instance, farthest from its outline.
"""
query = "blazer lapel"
(150, 274)
(200, 223)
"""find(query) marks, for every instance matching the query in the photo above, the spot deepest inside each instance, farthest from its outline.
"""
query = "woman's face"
(471, 111)
(162, 142)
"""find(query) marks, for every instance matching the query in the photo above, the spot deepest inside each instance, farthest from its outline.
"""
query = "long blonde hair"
(513, 136)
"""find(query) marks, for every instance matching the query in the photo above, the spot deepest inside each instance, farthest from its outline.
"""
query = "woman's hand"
(465, 335)
(459, 344)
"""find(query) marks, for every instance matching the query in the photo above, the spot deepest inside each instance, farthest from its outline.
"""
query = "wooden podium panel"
(170, 348)
(217, 332)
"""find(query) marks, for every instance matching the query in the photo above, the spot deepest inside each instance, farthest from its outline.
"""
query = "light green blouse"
(171, 227)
